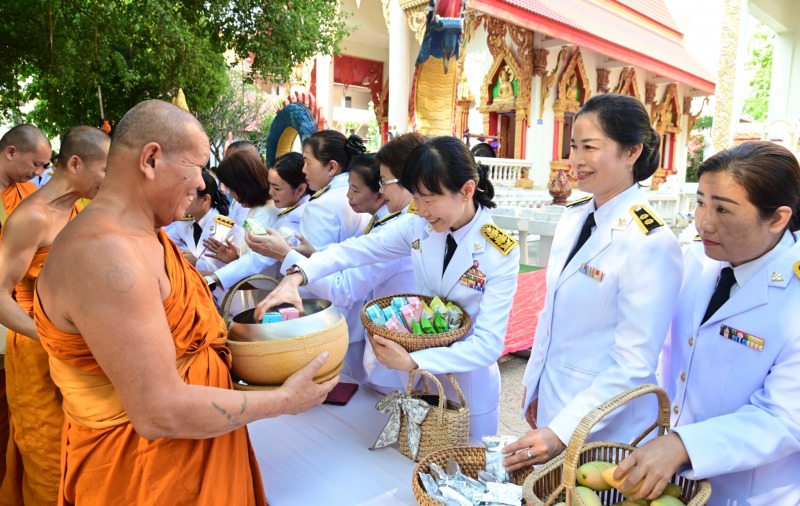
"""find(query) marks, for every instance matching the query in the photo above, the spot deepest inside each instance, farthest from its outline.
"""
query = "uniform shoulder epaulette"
(188, 217)
(370, 225)
(796, 268)
(645, 218)
(697, 238)
(389, 217)
(499, 238)
(320, 192)
(288, 210)
(580, 201)
(412, 208)
(224, 220)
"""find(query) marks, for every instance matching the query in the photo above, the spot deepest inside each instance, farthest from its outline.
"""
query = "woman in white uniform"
(457, 253)
(203, 221)
(731, 361)
(329, 219)
(612, 285)
(289, 193)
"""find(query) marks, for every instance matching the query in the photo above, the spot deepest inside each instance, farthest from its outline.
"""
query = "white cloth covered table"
(322, 456)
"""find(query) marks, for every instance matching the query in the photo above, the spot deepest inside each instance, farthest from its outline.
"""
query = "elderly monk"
(24, 154)
(136, 345)
(36, 417)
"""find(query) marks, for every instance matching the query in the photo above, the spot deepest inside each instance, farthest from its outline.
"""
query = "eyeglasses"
(383, 184)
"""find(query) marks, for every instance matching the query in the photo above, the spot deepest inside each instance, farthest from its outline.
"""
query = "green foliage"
(760, 49)
(56, 53)
(704, 122)
(695, 150)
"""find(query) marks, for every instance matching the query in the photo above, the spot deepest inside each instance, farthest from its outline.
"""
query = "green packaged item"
(427, 326)
(416, 328)
(439, 323)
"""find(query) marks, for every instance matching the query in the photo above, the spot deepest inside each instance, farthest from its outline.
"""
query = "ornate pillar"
(733, 51)
(399, 76)
(602, 80)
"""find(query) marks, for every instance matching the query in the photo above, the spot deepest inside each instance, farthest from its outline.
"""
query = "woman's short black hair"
(246, 175)
(218, 199)
(290, 168)
(330, 145)
(768, 172)
(625, 120)
(368, 169)
(446, 163)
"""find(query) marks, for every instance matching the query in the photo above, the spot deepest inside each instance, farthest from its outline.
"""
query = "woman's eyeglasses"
(383, 184)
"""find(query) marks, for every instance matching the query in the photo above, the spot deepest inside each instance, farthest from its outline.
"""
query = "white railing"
(502, 170)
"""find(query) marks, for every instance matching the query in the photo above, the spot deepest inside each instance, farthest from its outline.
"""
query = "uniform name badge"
(741, 337)
(474, 278)
(591, 272)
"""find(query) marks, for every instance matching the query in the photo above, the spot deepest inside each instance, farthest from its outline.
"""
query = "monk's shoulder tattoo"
(121, 278)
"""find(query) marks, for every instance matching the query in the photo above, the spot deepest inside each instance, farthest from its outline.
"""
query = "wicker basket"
(470, 458)
(447, 423)
(415, 342)
(556, 480)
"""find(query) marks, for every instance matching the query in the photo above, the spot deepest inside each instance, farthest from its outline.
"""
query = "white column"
(399, 72)
(784, 102)
(324, 93)
(729, 92)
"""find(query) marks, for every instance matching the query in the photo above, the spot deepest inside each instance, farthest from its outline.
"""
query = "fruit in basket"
(640, 502)
(673, 490)
(608, 476)
(589, 475)
(666, 500)
(588, 497)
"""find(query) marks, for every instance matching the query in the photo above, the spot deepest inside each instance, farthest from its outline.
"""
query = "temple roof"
(637, 32)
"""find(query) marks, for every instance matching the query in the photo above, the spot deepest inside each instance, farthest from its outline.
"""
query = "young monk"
(136, 344)
(36, 417)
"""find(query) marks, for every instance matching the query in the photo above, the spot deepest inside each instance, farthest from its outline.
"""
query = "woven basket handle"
(425, 376)
(228, 299)
(578, 438)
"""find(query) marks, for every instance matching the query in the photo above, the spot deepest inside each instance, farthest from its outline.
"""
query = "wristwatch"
(297, 270)
(212, 285)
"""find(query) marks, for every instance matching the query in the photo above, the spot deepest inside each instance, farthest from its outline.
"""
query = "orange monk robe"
(105, 462)
(33, 459)
(12, 196)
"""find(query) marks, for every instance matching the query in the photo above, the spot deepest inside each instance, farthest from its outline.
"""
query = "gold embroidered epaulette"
(288, 210)
(188, 217)
(796, 268)
(580, 201)
(499, 238)
(697, 238)
(645, 218)
(320, 192)
(412, 208)
(224, 220)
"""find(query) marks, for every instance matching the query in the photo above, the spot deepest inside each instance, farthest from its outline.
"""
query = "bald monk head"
(156, 156)
(83, 159)
(24, 153)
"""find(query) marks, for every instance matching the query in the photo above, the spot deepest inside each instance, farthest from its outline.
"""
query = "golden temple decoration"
(573, 86)
(417, 16)
(691, 119)
(524, 39)
(496, 36)
(386, 15)
(664, 114)
(549, 79)
(602, 80)
(627, 83)
(726, 77)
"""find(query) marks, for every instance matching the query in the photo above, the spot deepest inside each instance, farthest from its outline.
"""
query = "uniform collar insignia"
(320, 192)
(288, 210)
(777, 276)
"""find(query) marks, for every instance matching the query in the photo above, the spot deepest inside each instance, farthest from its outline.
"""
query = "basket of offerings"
(583, 475)
(416, 322)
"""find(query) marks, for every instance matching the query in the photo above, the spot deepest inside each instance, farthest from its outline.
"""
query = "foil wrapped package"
(494, 455)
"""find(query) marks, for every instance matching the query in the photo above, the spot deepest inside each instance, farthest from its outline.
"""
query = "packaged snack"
(438, 306)
(375, 313)
(398, 302)
(416, 328)
(272, 317)
(415, 302)
(426, 312)
(454, 317)
(494, 455)
(390, 312)
(439, 323)
(289, 313)
(427, 326)
(407, 312)
(254, 226)
(394, 324)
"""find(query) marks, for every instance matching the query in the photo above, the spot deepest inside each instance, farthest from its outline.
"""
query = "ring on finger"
(530, 455)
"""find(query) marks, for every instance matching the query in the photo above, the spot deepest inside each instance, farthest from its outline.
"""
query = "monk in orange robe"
(136, 345)
(36, 417)
(24, 154)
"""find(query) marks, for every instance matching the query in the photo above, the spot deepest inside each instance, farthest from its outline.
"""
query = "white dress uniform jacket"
(734, 379)
(370, 282)
(474, 358)
(253, 263)
(182, 233)
(605, 318)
